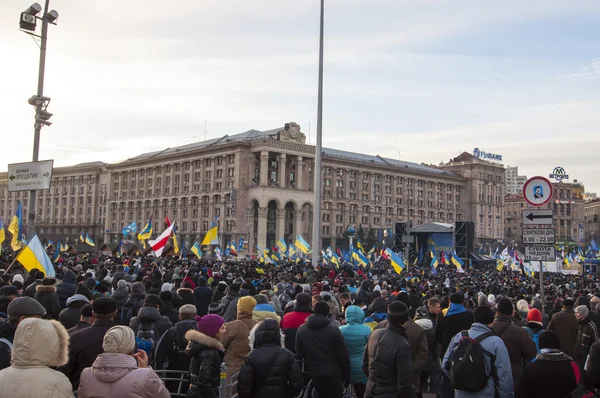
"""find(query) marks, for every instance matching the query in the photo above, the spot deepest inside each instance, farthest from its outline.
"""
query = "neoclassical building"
(260, 186)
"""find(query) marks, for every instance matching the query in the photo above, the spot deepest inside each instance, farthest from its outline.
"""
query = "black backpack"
(467, 363)
(127, 311)
(146, 337)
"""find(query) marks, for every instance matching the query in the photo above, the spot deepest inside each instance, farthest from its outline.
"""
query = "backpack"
(581, 391)
(127, 311)
(145, 337)
(535, 337)
(467, 363)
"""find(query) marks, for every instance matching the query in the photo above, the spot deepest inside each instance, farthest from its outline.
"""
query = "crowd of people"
(104, 326)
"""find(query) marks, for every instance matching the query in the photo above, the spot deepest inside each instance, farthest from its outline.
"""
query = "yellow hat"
(246, 305)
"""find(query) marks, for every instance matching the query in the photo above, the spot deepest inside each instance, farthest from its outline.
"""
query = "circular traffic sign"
(537, 191)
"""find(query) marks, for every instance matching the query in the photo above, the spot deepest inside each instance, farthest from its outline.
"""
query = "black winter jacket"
(70, 315)
(322, 347)
(30, 290)
(149, 315)
(387, 364)
(7, 331)
(47, 297)
(205, 366)
(449, 326)
(593, 365)
(170, 353)
(167, 309)
(203, 296)
(66, 288)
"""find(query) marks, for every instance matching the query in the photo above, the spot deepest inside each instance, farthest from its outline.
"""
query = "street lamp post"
(317, 174)
(27, 24)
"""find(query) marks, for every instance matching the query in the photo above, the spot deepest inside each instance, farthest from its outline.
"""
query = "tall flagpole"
(316, 245)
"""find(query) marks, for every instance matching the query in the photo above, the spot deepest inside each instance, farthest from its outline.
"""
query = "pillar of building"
(282, 170)
(264, 169)
(297, 224)
(261, 238)
(280, 224)
(298, 175)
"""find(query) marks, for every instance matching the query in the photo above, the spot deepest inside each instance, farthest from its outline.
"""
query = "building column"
(264, 169)
(261, 238)
(282, 170)
(280, 224)
(299, 163)
(297, 224)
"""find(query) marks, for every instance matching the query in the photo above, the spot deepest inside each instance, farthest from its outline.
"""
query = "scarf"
(456, 309)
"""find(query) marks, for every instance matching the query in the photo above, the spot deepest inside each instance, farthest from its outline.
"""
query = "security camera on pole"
(27, 23)
(537, 191)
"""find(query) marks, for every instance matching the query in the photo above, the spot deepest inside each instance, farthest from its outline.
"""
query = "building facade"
(568, 211)
(591, 211)
(514, 182)
(260, 186)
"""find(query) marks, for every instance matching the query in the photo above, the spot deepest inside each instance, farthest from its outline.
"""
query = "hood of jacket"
(109, 368)
(425, 323)
(317, 321)
(354, 314)
(260, 336)
(553, 355)
(201, 341)
(77, 300)
(40, 342)
(149, 314)
(69, 277)
(120, 293)
(45, 289)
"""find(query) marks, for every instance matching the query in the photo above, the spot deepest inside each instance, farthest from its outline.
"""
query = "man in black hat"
(18, 309)
(86, 319)
(566, 325)
(86, 344)
(7, 294)
(229, 302)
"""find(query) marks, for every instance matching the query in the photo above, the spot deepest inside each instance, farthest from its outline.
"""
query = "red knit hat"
(534, 315)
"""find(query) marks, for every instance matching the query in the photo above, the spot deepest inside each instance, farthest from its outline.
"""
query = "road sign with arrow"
(30, 176)
(537, 217)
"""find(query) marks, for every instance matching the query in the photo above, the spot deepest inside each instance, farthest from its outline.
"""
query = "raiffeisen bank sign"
(486, 155)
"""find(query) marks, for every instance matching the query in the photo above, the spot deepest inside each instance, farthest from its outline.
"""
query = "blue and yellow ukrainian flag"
(197, 250)
(57, 251)
(34, 256)
(2, 234)
(146, 233)
(129, 229)
(567, 261)
(302, 245)
(360, 246)
(232, 248)
(281, 246)
(89, 240)
(48, 244)
(121, 249)
(333, 258)
(16, 229)
(395, 260)
(359, 257)
(212, 235)
(291, 251)
(63, 247)
(458, 263)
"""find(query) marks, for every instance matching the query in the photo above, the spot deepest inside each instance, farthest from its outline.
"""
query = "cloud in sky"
(427, 78)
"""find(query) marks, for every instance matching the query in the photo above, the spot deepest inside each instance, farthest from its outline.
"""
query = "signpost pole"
(542, 284)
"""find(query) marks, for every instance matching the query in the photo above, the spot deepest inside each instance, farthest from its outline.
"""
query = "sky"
(419, 80)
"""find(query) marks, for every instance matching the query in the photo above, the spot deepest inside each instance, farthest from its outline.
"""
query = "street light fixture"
(27, 24)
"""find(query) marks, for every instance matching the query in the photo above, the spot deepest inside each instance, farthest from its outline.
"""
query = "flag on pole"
(457, 262)
(16, 229)
(301, 244)
(145, 233)
(89, 240)
(281, 246)
(395, 260)
(57, 251)
(360, 246)
(34, 256)
(240, 245)
(129, 229)
(197, 250)
(359, 257)
(64, 247)
(158, 245)
(2, 234)
(499, 264)
(212, 235)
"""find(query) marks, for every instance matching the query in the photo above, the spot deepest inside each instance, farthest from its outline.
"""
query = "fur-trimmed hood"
(261, 335)
(45, 288)
(194, 336)
(40, 342)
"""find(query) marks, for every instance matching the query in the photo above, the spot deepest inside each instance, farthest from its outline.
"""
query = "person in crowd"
(45, 294)
(326, 358)
(30, 289)
(587, 334)
(264, 309)
(203, 295)
(553, 374)
(387, 358)
(521, 348)
(293, 320)
(534, 326)
(7, 294)
(86, 319)
(345, 302)
(121, 371)
(39, 345)
(66, 288)
(356, 335)
(592, 366)
(497, 365)
(434, 309)
(235, 340)
(170, 353)
(229, 302)
(121, 294)
(430, 370)
(86, 344)
(187, 294)
(149, 323)
(71, 314)
(219, 293)
(537, 304)
(19, 309)
(206, 352)
(378, 313)
(270, 370)
(167, 308)
(566, 325)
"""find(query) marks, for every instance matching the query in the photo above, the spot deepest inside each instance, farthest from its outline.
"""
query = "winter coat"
(4, 302)
(167, 309)
(218, 296)
(80, 325)
(356, 336)
(415, 302)
(496, 347)
(433, 359)
(187, 296)
(229, 306)
(7, 331)
(118, 375)
(47, 297)
(265, 311)
(415, 335)
(593, 365)
(70, 315)
(148, 315)
(550, 376)
(170, 352)
(321, 346)
(205, 366)
(66, 288)
(586, 336)
(565, 324)
(448, 326)
(203, 295)
(290, 324)
(521, 348)
(235, 342)
(31, 289)
(121, 295)
(387, 364)
(38, 346)
(84, 348)
(270, 370)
